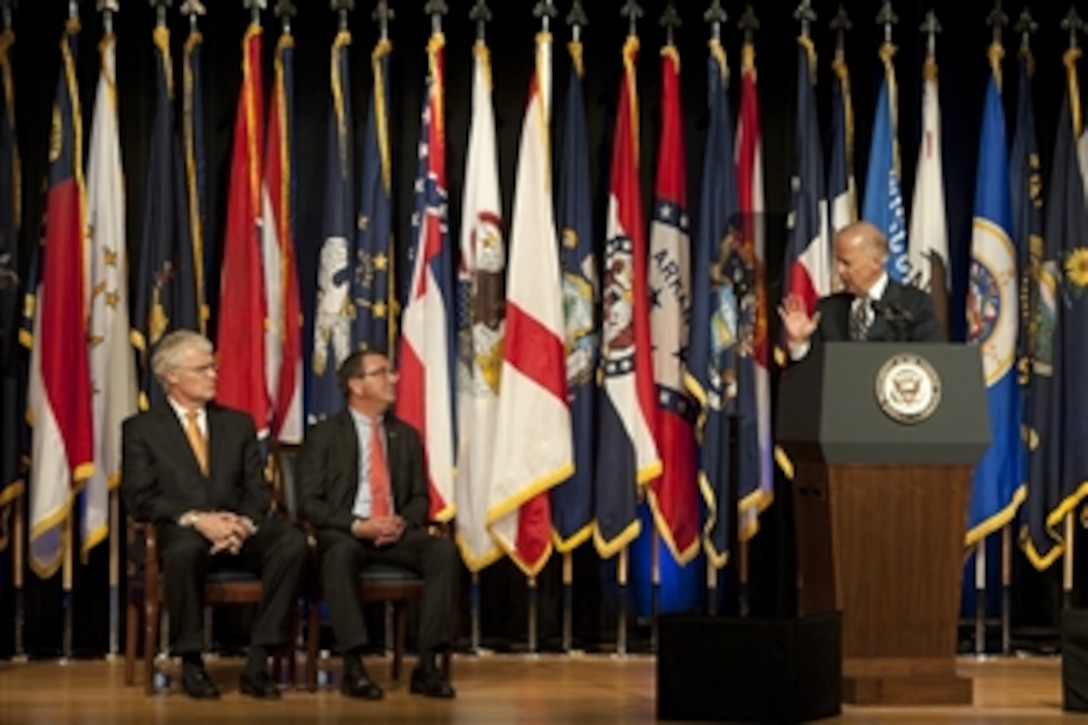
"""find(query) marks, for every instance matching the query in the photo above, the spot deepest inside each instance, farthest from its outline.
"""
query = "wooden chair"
(144, 597)
(377, 582)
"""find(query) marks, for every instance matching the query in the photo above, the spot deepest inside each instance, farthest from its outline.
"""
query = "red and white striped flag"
(533, 449)
(424, 398)
(283, 336)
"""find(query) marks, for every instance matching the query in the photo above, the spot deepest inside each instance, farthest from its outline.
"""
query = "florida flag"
(533, 450)
(426, 349)
(628, 456)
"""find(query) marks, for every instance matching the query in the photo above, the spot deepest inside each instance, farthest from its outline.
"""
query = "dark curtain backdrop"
(961, 54)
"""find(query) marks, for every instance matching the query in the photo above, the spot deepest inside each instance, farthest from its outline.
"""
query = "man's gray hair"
(169, 351)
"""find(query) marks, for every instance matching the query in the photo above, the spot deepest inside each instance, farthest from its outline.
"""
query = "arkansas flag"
(59, 394)
(241, 327)
(533, 449)
(426, 349)
(628, 457)
(674, 498)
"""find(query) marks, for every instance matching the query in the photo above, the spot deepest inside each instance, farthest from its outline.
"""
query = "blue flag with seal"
(714, 311)
(1059, 350)
(992, 321)
(332, 311)
(572, 500)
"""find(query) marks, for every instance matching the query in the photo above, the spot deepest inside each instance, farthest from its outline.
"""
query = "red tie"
(379, 473)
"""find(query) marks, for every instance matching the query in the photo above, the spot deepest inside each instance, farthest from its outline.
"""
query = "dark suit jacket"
(328, 472)
(923, 325)
(161, 476)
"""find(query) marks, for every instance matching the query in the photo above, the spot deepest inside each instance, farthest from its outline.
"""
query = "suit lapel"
(880, 330)
(175, 437)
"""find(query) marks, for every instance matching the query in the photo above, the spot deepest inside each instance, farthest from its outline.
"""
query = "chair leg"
(151, 641)
(313, 633)
(291, 651)
(132, 635)
(400, 625)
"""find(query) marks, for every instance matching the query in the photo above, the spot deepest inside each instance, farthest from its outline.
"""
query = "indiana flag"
(841, 189)
(373, 292)
(883, 197)
(992, 320)
(674, 498)
(572, 500)
(808, 262)
(165, 294)
(333, 309)
(283, 336)
(111, 360)
(481, 278)
(242, 317)
(59, 396)
(755, 490)
(533, 436)
(715, 311)
(1058, 466)
(928, 226)
(12, 360)
(628, 457)
(205, 258)
(426, 355)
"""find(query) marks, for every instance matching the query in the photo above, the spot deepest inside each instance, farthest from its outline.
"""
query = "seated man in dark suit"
(361, 484)
(192, 468)
(870, 307)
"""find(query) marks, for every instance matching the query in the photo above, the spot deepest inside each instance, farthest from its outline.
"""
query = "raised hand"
(796, 321)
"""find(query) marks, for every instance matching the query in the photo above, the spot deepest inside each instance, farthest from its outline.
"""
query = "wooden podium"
(881, 489)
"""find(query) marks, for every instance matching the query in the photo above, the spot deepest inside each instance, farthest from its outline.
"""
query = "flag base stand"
(750, 669)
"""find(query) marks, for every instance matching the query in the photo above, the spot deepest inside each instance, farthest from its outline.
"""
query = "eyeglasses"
(383, 372)
(200, 369)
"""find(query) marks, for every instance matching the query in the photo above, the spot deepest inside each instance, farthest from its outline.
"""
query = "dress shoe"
(259, 685)
(430, 683)
(357, 683)
(197, 684)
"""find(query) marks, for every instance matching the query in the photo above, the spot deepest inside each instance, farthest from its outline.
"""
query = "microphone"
(897, 317)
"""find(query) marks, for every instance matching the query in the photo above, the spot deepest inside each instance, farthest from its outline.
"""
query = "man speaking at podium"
(870, 307)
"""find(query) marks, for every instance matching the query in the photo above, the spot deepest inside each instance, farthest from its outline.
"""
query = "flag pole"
(621, 586)
(108, 8)
(568, 600)
(1067, 563)
(980, 598)
(18, 562)
(533, 610)
(1006, 589)
(474, 604)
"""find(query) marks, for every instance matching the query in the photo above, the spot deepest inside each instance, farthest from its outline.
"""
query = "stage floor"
(490, 688)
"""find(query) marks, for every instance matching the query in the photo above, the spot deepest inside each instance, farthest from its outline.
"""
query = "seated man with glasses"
(362, 486)
(192, 468)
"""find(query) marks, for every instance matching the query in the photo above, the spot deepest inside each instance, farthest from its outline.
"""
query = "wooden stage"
(490, 687)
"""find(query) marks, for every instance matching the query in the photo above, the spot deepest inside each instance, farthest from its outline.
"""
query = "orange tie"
(379, 473)
(197, 440)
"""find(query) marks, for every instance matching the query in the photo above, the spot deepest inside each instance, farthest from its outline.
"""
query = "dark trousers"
(343, 557)
(276, 553)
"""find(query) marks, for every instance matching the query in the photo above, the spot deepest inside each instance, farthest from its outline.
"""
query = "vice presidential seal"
(908, 388)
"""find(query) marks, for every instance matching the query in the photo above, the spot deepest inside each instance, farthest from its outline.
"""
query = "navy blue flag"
(372, 288)
(572, 500)
(165, 294)
(1058, 463)
(332, 312)
(715, 312)
(12, 357)
(205, 255)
